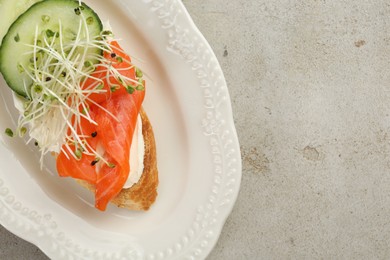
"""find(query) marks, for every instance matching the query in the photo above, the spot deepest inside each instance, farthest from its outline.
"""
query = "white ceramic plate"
(198, 153)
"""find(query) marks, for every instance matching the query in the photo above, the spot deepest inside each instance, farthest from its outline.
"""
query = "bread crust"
(142, 194)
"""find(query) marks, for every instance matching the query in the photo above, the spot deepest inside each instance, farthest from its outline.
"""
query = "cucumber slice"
(10, 10)
(47, 25)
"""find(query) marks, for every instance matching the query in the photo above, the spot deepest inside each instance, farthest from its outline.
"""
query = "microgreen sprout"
(113, 88)
(138, 73)
(111, 165)
(78, 153)
(59, 100)
(140, 87)
(130, 89)
(22, 131)
(9, 132)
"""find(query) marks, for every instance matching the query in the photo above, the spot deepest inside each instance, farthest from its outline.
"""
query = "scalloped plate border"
(203, 234)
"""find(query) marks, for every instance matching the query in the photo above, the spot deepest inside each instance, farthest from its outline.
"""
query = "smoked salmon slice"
(114, 113)
(116, 137)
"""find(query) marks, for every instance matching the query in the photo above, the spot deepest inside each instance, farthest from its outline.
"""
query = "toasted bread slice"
(142, 194)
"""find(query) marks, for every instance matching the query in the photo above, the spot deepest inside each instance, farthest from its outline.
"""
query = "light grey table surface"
(309, 84)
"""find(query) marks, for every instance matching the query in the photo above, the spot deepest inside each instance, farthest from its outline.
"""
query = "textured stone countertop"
(309, 83)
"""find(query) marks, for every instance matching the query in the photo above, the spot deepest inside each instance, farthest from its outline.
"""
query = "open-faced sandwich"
(80, 98)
